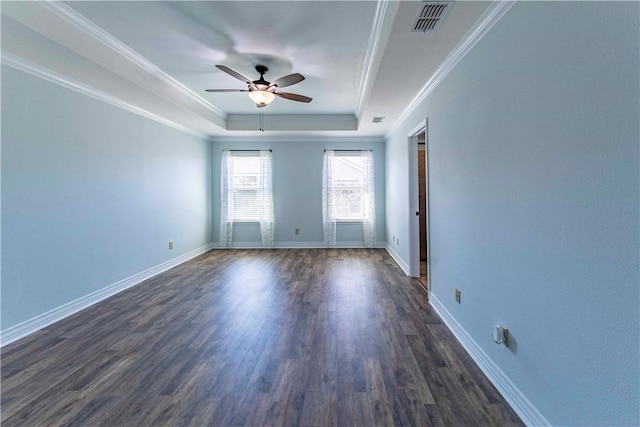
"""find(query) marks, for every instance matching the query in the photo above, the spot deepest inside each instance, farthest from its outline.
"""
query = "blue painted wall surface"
(534, 203)
(91, 194)
(297, 191)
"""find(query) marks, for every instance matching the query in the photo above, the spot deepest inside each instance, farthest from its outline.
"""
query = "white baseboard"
(296, 245)
(518, 401)
(43, 320)
(403, 265)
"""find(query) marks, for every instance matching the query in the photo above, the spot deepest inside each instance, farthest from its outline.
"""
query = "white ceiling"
(360, 58)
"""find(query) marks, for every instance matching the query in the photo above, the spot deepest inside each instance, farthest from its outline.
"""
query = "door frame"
(414, 220)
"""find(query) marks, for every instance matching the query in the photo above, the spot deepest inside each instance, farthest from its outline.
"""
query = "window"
(245, 179)
(348, 188)
(246, 193)
(348, 193)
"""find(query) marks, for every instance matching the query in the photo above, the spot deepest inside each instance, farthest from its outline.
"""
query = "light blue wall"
(297, 191)
(91, 194)
(534, 203)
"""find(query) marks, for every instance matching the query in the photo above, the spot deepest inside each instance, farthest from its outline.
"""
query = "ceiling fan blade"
(294, 97)
(289, 80)
(226, 90)
(236, 74)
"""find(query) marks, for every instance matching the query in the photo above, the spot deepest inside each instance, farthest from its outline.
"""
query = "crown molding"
(39, 71)
(90, 28)
(303, 138)
(382, 22)
(489, 18)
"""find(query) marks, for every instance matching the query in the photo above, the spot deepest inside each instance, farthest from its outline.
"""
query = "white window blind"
(245, 180)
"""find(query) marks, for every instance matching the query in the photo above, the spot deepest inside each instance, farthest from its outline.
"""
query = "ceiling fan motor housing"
(261, 81)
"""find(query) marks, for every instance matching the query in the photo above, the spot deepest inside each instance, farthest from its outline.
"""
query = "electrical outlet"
(170, 245)
(397, 241)
(297, 231)
(458, 296)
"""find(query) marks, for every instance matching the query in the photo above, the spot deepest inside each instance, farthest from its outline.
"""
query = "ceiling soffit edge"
(267, 139)
(489, 18)
(82, 23)
(39, 71)
(292, 122)
(380, 31)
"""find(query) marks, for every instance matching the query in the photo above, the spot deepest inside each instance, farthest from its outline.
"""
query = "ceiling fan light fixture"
(261, 97)
(262, 92)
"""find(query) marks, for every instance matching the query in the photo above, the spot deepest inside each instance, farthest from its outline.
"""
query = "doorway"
(422, 209)
(419, 221)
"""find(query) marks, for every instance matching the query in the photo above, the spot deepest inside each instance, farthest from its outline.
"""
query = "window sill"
(350, 220)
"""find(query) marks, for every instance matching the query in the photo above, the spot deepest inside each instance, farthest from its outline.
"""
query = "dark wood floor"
(423, 274)
(263, 337)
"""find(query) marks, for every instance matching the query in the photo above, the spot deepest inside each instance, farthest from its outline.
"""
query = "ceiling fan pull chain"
(261, 121)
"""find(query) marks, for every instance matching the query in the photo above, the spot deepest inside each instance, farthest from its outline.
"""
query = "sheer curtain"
(265, 199)
(368, 201)
(328, 219)
(226, 199)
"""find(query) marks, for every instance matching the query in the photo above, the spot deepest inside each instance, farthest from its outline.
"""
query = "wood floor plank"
(292, 337)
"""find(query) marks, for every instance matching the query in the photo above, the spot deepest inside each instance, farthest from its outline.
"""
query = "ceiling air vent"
(430, 15)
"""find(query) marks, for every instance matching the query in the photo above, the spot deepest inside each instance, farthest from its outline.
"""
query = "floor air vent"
(430, 16)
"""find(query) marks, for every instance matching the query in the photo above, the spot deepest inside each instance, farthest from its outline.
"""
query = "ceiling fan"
(261, 91)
